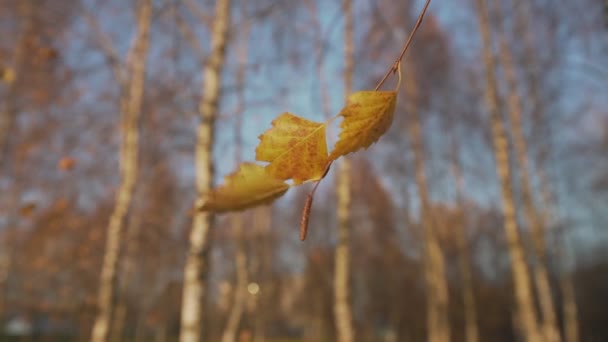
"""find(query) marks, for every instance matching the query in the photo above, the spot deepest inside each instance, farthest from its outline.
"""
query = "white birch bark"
(464, 257)
(196, 270)
(525, 313)
(131, 104)
(342, 307)
(438, 324)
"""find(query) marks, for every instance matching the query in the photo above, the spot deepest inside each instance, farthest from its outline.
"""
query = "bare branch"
(187, 33)
(395, 65)
(105, 44)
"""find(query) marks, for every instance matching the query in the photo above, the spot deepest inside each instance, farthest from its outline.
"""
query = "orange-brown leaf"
(249, 186)
(66, 163)
(28, 209)
(295, 147)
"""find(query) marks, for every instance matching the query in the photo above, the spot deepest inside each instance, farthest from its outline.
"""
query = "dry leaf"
(7, 75)
(27, 209)
(249, 186)
(66, 163)
(295, 147)
(367, 116)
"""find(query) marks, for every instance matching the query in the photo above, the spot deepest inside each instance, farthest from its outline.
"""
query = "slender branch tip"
(395, 65)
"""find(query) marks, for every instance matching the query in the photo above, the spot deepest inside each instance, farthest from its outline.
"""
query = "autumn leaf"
(66, 163)
(367, 116)
(7, 75)
(27, 209)
(295, 147)
(249, 186)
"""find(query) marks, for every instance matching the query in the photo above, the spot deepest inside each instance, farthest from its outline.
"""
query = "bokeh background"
(426, 221)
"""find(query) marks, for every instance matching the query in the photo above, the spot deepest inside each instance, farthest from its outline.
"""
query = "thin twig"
(395, 65)
(308, 205)
(202, 16)
(190, 36)
(105, 44)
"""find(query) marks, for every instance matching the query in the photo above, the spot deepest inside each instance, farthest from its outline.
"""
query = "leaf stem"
(308, 205)
(395, 65)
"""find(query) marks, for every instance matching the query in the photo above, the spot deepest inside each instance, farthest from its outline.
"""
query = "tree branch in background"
(106, 46)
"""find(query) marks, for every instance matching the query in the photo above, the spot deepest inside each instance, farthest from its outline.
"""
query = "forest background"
(480, 215)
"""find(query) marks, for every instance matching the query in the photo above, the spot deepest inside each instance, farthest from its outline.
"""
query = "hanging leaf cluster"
(296, 148)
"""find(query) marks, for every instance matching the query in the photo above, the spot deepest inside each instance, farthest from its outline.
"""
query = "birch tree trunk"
(197, 263)
(438, 324)
(541, 276)
(261, 267)
(570, 309)
(525, 311)
(342, 308)
(240, 288)
(240, 293)
(464, 260)
(569, 306)
(127, 269)
(550, 327)
(131, 104)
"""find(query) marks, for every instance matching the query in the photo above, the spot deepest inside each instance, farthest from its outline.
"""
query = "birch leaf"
(295, 147)
(249, 186)
(367, 116)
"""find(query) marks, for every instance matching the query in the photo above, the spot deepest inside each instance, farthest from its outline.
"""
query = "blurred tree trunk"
(525, 315)
(118, 321)
(549, 327)
(570, 309)
(197, 263)
(240, 288)
(342, 308)
(139, 328)
(131, 104)
(11, 75)
(438, 324)
(260, 268)
(532, 67)
(126, 274)
(240, 260)
(161, 334)
(5, 262)
(464, 260)
(541, 276)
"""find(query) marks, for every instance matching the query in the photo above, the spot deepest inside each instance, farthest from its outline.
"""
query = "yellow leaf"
(7, 75)
(249, 186)
(295, 147)
(367, 116)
